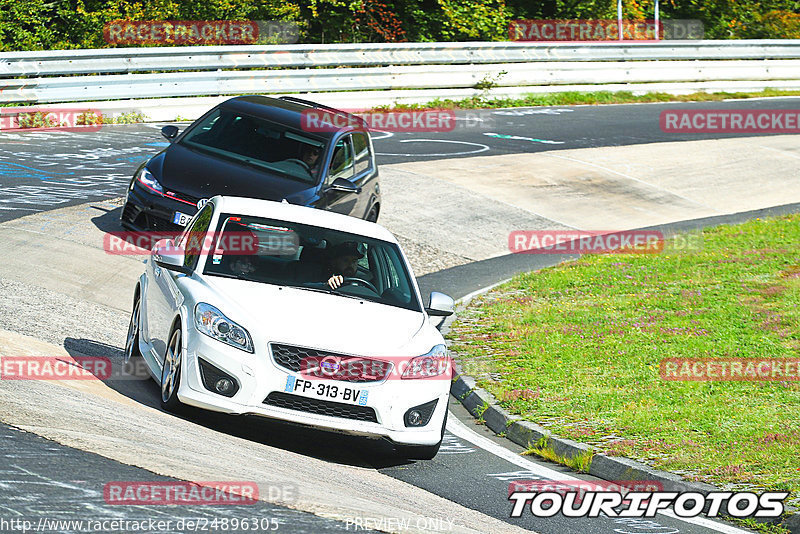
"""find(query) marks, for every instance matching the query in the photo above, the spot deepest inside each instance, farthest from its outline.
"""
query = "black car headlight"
(149, 182)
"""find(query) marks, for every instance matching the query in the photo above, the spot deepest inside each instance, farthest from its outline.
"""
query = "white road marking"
(459, 429)
(520, 138)
(452, 445)
(512, 475)
(752, 99)
(376, 138)
(784, 152)
(532, 111)
(483, 148)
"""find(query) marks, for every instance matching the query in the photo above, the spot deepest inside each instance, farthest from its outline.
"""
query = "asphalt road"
(51, 169)
(45, 481)
(60, 489)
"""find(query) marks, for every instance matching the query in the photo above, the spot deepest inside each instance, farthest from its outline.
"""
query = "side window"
(342, 161)
(362, 153)
(394, 278)
(396, 286)
(195, 235)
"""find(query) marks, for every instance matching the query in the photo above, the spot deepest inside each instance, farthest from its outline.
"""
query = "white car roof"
(284, 211)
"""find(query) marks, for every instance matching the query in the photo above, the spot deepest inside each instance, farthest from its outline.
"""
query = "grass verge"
(572, 98)
(584, 341)
(580, 462)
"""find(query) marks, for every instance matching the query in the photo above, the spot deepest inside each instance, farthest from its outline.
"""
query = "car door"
(163, 296)
(365, 172)
(342, 165)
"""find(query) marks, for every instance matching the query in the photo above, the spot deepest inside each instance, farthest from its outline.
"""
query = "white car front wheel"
(171, 373)
(132, 339)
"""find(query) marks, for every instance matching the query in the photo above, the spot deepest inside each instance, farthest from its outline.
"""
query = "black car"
(258, 147)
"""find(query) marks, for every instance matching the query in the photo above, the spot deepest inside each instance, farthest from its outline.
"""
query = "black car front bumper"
(144, 211)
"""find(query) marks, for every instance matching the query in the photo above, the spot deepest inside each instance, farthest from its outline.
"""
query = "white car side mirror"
(169, 256)
(441, 305)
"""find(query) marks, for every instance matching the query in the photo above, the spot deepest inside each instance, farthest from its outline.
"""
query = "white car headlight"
(434, 363)
(211, 322)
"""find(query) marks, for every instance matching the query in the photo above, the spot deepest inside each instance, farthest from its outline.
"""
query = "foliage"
(574, 98)
(59, 24)
(36, 120)
(592, 336)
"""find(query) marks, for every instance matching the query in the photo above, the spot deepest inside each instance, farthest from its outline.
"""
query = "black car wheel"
(372, 216)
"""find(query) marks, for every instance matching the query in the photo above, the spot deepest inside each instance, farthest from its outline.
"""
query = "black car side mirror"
(170, 132)
(345, 186)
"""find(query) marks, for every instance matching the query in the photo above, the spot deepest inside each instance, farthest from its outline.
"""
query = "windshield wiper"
(315, 289)
(231, 275)
(326, 290)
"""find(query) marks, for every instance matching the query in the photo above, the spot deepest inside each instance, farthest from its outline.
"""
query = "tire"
(171, 373)
(132, 339)
(372, 216)
(421, 452)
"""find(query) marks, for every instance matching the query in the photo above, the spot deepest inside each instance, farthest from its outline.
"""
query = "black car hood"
(199, 175)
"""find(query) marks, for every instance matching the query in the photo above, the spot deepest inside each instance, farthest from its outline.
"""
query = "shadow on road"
(134, 382)
(109, 220)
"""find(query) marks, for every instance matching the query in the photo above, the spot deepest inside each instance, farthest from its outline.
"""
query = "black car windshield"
(304, 256)
(258, 143)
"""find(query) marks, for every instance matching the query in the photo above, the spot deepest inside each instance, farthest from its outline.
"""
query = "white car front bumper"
(257, 376)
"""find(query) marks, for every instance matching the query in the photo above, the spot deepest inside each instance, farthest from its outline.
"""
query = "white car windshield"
(299, 255)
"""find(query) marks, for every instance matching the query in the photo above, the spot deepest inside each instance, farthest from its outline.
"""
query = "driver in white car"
(343, 258)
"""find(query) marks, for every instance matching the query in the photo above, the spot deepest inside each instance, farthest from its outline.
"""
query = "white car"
(296, 314)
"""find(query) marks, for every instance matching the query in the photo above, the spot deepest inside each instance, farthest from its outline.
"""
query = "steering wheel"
(301, 163)
(360, 282)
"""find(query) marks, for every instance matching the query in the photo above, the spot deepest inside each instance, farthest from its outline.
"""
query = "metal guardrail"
(59, 76)
(113, 60)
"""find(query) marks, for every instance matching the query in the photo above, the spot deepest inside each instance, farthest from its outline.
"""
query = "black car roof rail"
(360, 120)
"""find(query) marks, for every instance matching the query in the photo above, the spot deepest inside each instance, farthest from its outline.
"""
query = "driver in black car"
(342, 262)
(310, 156)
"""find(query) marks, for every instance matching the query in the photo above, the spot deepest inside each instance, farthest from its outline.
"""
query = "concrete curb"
(482, 404)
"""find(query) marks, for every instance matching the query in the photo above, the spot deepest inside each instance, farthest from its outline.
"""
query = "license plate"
(181, 218)
(326, 390)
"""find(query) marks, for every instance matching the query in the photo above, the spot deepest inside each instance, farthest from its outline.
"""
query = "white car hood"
(318, 320)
